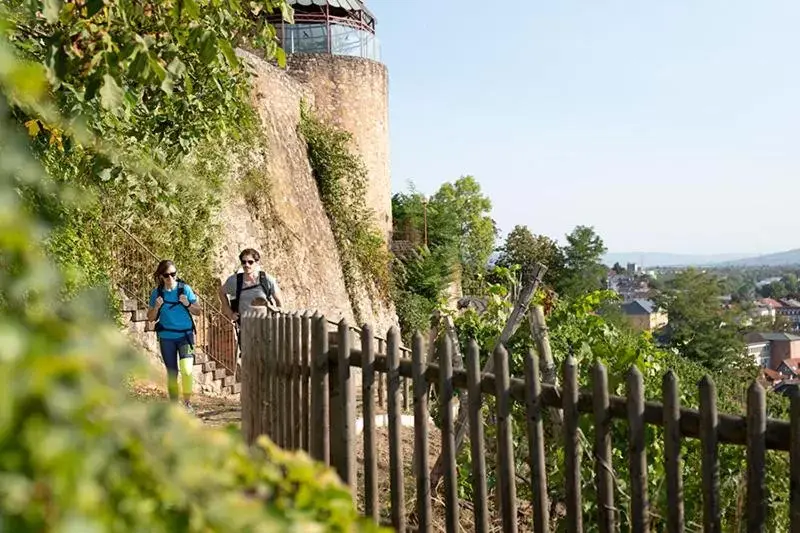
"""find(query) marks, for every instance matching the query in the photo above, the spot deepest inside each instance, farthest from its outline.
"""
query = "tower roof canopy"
(347, 5)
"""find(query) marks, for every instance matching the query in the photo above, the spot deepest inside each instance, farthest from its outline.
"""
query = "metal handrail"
(216, 333)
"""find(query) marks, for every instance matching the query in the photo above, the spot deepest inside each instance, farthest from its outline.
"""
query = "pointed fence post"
(341, 405)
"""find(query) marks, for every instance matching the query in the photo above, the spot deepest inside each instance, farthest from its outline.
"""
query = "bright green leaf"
(155, 64)
(227, 50)
(190, 8)
(208, 47)
(280, 56)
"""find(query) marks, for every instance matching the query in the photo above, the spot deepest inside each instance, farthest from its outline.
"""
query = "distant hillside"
(790, 257)
(654, 259)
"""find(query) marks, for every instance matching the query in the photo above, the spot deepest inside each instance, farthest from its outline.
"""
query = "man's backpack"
(263, 281)
(181, 292)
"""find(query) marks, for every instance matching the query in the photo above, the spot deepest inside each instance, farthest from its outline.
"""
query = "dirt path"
(212, 410)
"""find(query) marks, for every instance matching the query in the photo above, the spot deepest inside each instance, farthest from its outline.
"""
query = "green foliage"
(165, 101)
(342, 181)
(699, 327)
(458, 215)
(76, 454)
(451, 236)
(583, 270)
(525, 249)
(420, 281)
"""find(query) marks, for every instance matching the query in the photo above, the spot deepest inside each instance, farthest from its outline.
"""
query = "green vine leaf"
(110, 94)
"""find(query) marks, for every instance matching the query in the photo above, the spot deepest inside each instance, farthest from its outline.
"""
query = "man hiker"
(252, 287)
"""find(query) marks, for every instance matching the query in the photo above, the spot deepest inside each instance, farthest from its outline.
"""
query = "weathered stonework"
(291, 229)
(353, 93)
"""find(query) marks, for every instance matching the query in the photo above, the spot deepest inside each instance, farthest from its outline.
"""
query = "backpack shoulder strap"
(239, 283)
(181, 289)
(266, 284)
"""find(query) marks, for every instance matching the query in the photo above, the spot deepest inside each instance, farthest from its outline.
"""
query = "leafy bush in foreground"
(76, 455)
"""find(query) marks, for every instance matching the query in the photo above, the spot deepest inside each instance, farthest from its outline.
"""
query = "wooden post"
(476, 439)
(396, 474)
(381, 376)
(262, 372)
(602, 451)
(672, 452)
(756, 458)
(421, 435)
(794, 471)
(305, 394)
(320, 429)
(280, 406)
(640, 512)
(572, 448)
(297, 409)
(448, 443)
(533, 407)
(288, 398)
(341, 402)
(274, 376)
(505, 444)
(708, 438)
(371, 508)
(249, 405)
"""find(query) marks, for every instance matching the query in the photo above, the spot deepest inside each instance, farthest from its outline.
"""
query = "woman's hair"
(252, 253)
(161, 269)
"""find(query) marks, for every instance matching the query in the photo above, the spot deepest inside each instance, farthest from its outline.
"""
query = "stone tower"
(333, 49)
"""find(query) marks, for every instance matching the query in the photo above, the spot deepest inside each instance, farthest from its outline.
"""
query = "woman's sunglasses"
(247, 261)
(169, 275)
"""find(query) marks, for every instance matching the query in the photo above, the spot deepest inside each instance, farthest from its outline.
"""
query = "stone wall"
(291, 228)
(353, 93)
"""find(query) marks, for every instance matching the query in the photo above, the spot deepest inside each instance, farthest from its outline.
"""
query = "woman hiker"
(172, 304)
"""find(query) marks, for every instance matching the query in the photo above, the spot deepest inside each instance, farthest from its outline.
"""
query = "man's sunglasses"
(169, 275)
(247, 261)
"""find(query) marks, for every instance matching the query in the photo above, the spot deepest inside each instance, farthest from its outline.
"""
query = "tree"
(618, 269)
(774, 290)
(525, 249)
(699, 328)
(408, 216)
(458, 215)
(583, 272)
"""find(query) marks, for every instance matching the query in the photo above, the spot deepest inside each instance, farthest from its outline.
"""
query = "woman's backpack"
(181, 292)
(263, 281)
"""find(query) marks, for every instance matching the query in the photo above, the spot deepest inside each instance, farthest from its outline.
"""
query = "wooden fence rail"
(298, 390)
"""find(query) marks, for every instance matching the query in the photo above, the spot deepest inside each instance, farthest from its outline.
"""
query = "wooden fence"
(299, 390)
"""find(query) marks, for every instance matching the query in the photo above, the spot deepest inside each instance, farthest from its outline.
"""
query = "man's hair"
(251, 252)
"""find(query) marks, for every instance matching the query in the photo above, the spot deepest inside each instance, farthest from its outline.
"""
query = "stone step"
(228, 381)
(230, 390)
(209, 366)
(220, 373)
(129, 304)
(200, 358)
(140, 315)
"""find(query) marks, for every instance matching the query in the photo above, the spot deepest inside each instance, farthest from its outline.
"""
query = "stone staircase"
(209, 377)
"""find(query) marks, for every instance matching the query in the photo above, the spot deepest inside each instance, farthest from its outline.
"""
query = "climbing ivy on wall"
(159, 81)
(342, 181)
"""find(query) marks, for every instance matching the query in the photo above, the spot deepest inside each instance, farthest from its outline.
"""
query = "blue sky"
(669, 125)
